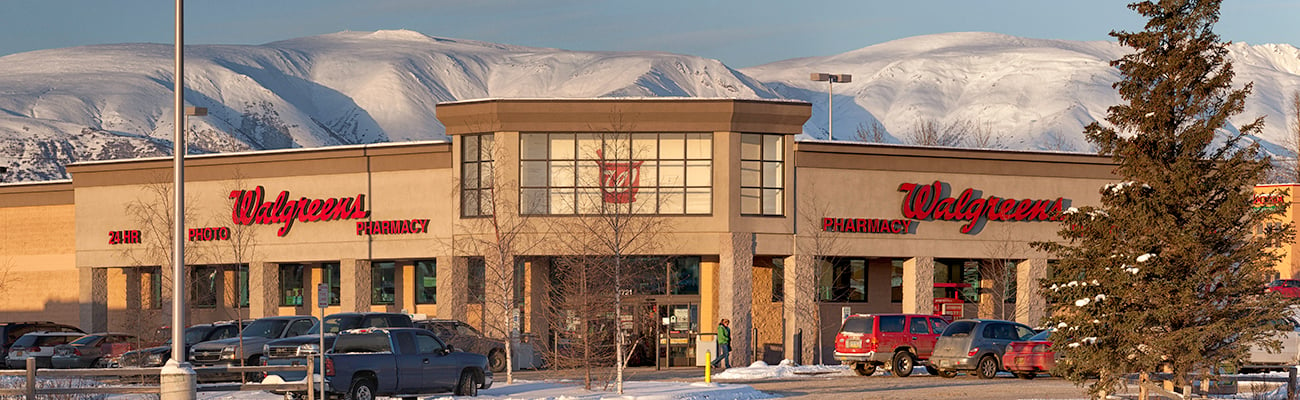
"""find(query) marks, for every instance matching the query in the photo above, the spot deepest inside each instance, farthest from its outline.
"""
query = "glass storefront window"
(383, 283)
(477, 270)
(590, 173)
(155, 288)
(958, 271)
(291, 284)
(332, 275)
(686, 275)
(243, 285)
(778, 279)
(896, 281)
(426, 282)
(205, 284)
(841, 280)
(476, 175)
(762, 174)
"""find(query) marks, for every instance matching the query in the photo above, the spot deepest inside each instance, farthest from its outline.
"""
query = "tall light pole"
(177, 378)
(830, 80)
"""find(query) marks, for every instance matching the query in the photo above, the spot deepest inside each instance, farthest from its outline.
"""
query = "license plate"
(854, 343)
(944, 363)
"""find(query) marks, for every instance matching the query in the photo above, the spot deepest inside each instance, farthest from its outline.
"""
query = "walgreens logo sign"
(934, 201)
(251, 208)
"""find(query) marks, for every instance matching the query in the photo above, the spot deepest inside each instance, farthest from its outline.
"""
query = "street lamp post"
(830, 80)
(177, 378)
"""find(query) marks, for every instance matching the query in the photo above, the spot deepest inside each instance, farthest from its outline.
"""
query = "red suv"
(895, 341)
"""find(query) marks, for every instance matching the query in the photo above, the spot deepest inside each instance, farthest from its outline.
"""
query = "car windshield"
(959, 328)
(1041, 336)
(1285, 283)
(857, 325)
(25, 341)
(335, 324)
(195, 334)
(265, 328)
(85, 340)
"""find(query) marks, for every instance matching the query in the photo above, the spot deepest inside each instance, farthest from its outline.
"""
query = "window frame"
(285, 290)
(332, 274)
(425, 294)
(376, 287)
(210, 297)
(762, 187)
(841, 281)
(476, 291)
(579, 162)
(477, 165)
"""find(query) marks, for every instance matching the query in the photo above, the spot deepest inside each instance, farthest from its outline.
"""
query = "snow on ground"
(538, 390)
(786, 369)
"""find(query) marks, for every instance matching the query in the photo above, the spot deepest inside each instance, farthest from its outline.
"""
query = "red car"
(1031, 357)
(1287, 287)
(895, 341)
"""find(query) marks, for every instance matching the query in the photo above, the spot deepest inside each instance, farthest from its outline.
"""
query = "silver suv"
(976, 345)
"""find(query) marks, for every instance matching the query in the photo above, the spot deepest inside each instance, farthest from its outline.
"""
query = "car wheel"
(946, 373)
(1026, 375)
(987, 367)
(254, 376)
(466, 385)
(497, 361)
(903, 363)
(864, 369)
(931, 370)
(362, 389)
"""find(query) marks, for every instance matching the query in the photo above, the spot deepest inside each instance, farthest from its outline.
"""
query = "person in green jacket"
(724, 344)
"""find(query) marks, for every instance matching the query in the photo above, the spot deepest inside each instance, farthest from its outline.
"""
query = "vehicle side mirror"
(448, 349)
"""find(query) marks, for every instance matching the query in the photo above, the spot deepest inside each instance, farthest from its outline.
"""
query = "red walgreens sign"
(249, 208)
(925, 202)
(619, 180)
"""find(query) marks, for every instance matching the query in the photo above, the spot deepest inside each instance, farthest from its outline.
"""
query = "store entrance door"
(680, 324)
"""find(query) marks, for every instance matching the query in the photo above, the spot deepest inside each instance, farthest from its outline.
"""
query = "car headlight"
(153, 360)
(228, 353)
(309, 348)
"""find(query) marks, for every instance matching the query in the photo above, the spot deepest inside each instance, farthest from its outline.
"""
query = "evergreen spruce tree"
(1167, 274)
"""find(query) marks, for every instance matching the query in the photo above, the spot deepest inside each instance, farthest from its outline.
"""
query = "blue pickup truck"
(401, 362)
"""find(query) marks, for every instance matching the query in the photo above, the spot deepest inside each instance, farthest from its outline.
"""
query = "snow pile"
(786, 369)
(533, 390)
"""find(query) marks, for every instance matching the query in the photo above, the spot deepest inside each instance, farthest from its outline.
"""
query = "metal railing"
(30, 389)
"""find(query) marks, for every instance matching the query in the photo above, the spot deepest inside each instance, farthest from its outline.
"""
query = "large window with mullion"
(842, 280)
(383, 283)
(762, 174)
(591, 173)
(333, 277)
(291, 284)
(476, 163)
(426, 282)
(205, 283)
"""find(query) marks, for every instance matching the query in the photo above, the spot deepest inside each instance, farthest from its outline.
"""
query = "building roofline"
(268, 152)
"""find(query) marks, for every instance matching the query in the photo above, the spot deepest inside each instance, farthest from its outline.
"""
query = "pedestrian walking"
(724, 344)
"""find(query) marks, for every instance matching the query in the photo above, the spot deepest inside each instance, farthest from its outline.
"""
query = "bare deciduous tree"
(933, 133)
(998, 275)
(152, 211)
(500, 236)
(610, 246)
(1055, 141)
(872, 132)
(983, 136)
(815, 249)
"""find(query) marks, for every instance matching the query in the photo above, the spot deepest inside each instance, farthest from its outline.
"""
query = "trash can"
(705, 343)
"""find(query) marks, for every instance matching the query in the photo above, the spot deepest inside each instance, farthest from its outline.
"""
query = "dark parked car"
(466, 338)
(11, 331)
(367, 363)
(228, 351)
(976, 345)
(96, 350)
(294, 350)
(157, 356)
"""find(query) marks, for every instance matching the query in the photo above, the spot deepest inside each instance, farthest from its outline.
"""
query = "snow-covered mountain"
(114, 101)
(1036, 94)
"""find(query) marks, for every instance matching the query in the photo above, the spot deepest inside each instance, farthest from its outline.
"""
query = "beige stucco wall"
(37, 260)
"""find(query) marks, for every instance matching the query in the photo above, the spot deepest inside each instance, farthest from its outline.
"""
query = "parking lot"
(880, 386)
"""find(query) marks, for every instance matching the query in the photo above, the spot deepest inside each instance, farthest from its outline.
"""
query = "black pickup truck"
(401, 362)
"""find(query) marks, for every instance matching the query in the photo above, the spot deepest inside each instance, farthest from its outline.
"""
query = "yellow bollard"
(708, 367)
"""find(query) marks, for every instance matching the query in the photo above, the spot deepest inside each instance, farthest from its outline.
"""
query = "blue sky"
(740, 33)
